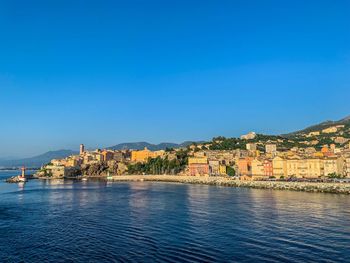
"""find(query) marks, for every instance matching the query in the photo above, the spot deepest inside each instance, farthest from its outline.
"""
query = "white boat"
(109, 177)
(84, 179)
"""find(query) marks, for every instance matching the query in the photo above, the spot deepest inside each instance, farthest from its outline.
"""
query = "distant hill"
(37, 161)
(323, 125)
(152, 147)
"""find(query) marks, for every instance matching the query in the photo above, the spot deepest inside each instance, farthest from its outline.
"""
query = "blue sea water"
(95, 221)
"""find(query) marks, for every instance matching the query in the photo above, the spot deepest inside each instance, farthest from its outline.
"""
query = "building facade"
(198, 166)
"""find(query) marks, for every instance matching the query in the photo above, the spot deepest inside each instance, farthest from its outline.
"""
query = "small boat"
(109, 177)
(84, 179)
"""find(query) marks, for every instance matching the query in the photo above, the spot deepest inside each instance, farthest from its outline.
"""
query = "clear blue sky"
(105, 72)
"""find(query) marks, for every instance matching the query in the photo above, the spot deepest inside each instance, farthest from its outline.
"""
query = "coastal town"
(317, 155)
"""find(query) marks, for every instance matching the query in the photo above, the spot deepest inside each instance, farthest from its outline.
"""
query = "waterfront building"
(257, 168)
(295, 167)
(198, 166)
(214, 167)
(304, 167)
(315, 168)
(244, 166)
(217, 167)
(268, 168)
(333, 165)
(279, 167)
(347, 166)
(222, 169)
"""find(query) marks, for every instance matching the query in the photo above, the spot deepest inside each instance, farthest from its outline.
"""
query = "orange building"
(244, 166)
(144, 155)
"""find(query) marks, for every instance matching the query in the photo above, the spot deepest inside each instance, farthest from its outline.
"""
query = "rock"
(339, 188)
(14, 179)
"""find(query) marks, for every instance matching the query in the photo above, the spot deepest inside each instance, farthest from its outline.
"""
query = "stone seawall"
(338, 188)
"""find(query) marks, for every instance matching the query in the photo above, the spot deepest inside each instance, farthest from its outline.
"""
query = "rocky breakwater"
(338, 188)
(15, 179)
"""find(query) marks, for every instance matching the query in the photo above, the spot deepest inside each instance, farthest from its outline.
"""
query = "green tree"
(231, 171)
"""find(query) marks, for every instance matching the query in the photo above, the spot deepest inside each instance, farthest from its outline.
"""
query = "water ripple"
(159, 222)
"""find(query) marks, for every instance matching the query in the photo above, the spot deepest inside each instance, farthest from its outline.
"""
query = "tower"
(23, 172)
(82, 149)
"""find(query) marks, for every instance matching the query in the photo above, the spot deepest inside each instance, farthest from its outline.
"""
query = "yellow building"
(347, 166)
(197, 160)
(223, 169)
(73, 162)
(293, 167)
(257, 168)
(305, 168)
(315, 168)
(279, 165)
(144, 155)
(334, 165)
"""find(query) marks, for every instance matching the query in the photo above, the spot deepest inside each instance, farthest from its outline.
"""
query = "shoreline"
(311, 187)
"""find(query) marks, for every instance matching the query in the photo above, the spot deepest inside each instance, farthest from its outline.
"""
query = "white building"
(249, 136)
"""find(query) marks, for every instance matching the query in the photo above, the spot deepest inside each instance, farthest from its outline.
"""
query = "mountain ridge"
(41, 159)
(320, 126)
(150, 146)
(36, 161)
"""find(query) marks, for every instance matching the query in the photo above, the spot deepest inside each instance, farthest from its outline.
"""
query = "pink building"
(268, 168)
(198, 169)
